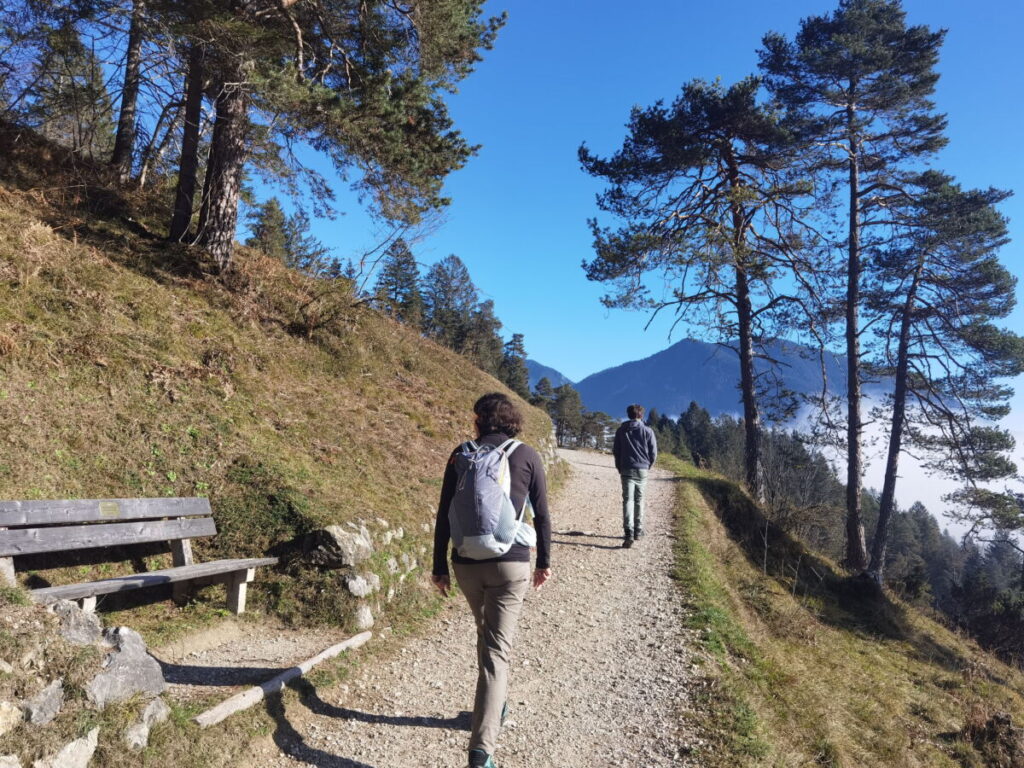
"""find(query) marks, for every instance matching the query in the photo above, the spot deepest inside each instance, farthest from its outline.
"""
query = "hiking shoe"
(638, 533)
(480, 759)
(627, 542)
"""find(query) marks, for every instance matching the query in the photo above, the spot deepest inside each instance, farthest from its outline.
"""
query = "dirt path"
(599, 675)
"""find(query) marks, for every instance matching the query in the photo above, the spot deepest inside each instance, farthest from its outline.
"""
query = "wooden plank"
(7, 570)
(153, 578)
(27, 541)
(257, 693)
(23, 513)
(237, 590)
(181, 555)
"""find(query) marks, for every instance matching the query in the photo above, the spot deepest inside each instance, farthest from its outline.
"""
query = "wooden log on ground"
(245, 699)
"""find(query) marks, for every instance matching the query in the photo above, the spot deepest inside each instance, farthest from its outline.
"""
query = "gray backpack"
(484, 522)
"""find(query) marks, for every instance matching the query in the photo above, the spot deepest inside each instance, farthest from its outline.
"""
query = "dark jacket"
(527, 475)
(635, 446)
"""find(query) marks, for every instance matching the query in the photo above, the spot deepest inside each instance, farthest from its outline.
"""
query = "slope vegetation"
(810, 668)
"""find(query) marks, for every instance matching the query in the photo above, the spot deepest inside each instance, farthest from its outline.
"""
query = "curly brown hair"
(496, 413)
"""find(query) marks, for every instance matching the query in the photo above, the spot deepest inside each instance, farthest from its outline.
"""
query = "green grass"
(816, 670)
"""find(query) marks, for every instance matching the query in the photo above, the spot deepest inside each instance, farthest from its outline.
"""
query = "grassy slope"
(122, 374)
(812, 671)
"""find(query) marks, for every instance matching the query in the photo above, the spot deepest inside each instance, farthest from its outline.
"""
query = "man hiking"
(635, 450)
(489, 484)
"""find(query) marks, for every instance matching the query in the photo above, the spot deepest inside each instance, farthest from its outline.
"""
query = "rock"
(336, 547)
(44, 706)
(6, 668)
(392, 565)
(77, 754)
(137, 735)
(399, 533)
(364, 617)
(363, 584)
(999, 741)
(9, 761)
(128, 670)
(78, 626)
(10, 717)
(408, 562)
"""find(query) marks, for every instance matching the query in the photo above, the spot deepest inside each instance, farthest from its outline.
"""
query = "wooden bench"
(37, 527)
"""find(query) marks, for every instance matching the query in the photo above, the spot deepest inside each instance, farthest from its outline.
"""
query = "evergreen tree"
(69, 99)
(483, 344)
(861, 81)
(124, 141)
(543, 395)
(707, 203)
(938, 290)
(513, 372)
(449, 298)
(696, 425)
(398, 290)
(567, 414)
(267, 222)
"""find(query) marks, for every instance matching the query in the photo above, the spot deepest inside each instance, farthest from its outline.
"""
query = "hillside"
(808, 667)
(292, 407)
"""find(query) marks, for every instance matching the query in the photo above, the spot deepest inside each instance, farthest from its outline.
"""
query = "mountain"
(707, 373)
(538, 372)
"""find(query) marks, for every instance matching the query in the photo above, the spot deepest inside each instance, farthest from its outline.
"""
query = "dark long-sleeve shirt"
(527, 480)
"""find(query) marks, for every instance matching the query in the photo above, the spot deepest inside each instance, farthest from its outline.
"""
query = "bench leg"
(88, 604)
(7, 571)
(238, 585)
(180, 592)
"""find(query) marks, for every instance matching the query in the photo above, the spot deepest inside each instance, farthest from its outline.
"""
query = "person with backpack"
(490, 487)
(635, 450)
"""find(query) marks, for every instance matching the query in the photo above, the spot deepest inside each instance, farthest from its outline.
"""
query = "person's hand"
(442, 583)
(540, 576)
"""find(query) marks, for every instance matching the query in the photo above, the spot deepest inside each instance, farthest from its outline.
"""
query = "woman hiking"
(489, 483)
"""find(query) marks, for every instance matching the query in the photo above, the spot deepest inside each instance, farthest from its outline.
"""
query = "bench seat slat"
(27, 541)
(24, 513)
(151, 579)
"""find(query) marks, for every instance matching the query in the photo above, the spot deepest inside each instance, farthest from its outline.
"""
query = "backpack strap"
(508, 446)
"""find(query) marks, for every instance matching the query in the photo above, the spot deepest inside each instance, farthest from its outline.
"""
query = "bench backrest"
(56, 526)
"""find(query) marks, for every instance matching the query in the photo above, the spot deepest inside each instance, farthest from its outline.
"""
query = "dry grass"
(815, 670)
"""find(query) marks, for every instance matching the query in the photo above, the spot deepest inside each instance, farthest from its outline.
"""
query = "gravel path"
(600, 675)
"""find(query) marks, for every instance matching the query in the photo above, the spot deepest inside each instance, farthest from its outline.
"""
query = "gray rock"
(336, 547)
(137, 735)
(10, 717)
(363, 584)
(9, 761)
(392, 565)
(78, 626)
(44, 706)
(408, 562)
(364, 617)
(128, 670)
(77, 754)
(6, 668)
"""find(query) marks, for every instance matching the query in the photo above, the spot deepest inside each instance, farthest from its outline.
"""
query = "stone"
(10, 717)
(392, 565)
(6, 668)
(363, 584)
(77, 754)
(335, 547)
(137, 735)
(399, 533)
(408, 562)
(364, 617)
(45, 705)
(10, 761)
(77, 626)
(128, 670)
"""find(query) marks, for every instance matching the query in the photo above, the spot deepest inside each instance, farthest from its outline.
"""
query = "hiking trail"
(600, 676)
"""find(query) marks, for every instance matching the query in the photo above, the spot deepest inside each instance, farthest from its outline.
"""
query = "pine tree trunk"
(188, 165)
(218, 216)
(856, 551)
(155, 150)
(899, 411)
(124, 142)
(751, 415)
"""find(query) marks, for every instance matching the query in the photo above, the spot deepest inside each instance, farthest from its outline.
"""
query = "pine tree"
(543, 394)
(513, 372)
(267, 222)
(567, 414)
(398, 285)
(449, 298)
(861, 81)
(696, 425)
(707, 203)
(124, 141)
(938, 290)
(483, 344)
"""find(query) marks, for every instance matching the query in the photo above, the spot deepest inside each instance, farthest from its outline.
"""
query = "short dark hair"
(635, 411)
(496, 413)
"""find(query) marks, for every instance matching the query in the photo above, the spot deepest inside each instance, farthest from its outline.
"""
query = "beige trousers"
(495, 593)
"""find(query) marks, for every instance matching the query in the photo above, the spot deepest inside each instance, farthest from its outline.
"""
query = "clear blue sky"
(564, 72)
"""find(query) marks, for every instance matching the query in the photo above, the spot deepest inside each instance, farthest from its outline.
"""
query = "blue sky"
(562, 73)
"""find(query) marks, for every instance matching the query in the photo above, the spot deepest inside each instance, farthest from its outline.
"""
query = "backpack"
(484, 522)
